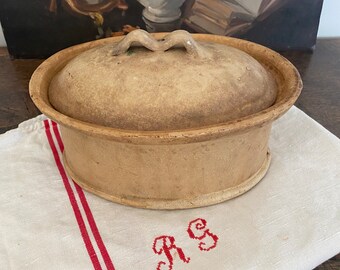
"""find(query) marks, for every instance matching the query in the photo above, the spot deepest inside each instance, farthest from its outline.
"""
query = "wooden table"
(320, 97)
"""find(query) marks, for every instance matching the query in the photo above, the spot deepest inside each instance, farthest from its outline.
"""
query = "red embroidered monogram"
(165, 244)
(197, 230)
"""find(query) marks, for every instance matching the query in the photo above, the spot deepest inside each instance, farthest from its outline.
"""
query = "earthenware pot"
(166, 121)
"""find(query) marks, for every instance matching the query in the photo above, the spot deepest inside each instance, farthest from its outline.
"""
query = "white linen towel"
(290, 220)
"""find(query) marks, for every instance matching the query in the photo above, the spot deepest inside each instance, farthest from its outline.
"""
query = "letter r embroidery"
(164, 244)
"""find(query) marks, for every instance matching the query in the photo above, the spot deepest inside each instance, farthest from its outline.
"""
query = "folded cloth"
(290, 220)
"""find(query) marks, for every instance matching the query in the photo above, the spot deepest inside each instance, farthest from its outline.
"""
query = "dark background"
(32, 31)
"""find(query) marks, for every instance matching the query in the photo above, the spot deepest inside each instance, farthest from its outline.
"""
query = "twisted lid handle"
(178, 37)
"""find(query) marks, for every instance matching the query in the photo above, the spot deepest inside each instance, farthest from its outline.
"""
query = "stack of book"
(224, 17)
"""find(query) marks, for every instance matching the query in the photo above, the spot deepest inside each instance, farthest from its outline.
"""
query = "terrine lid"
(174, 83)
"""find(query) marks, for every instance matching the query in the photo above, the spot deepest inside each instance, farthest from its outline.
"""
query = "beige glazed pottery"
(169, 120)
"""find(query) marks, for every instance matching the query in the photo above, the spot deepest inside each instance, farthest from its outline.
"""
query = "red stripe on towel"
(73, 201)
(57, 135)
(88, 212)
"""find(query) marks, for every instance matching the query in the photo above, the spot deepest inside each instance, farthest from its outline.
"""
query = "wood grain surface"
(320, 97)
(15, 103)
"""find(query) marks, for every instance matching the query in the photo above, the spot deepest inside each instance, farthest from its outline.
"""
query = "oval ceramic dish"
(152, 165)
